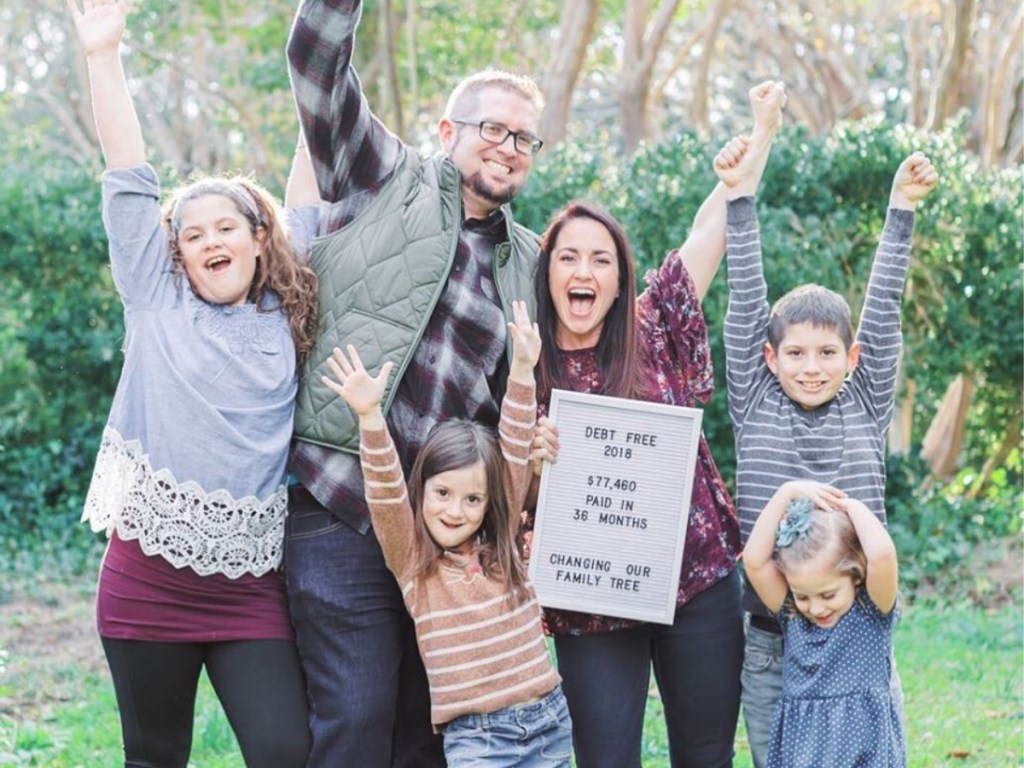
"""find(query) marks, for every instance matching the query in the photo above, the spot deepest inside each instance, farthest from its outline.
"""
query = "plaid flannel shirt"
(459, 366)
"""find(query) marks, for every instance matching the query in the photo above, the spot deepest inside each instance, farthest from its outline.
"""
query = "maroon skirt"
(143, 597)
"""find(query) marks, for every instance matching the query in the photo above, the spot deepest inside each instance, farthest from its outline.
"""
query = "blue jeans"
(762, 687)
(534, 735)
(368, 697)
(696, 662)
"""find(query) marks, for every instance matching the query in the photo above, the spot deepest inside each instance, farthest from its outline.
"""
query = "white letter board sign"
(612, 511)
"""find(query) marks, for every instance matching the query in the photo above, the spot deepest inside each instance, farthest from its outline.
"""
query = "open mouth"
(581, 300)
(218, 263)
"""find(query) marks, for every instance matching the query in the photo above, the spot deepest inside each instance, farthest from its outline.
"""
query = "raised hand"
(914, 179)
(99, 25)
(767, 100)
(823, 496)
(729, 165)
(355, 385)
(525, 343)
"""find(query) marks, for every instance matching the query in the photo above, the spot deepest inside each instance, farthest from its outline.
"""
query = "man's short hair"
(812, 304)
(464, 97)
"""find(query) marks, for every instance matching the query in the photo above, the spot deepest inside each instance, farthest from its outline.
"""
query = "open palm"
(353, 382)
(100, 24)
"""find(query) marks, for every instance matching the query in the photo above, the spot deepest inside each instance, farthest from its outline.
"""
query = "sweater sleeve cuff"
(520, 395)
(900, 222)
(740, 211)
(374, 439)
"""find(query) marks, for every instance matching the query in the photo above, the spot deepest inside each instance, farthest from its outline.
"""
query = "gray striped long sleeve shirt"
(842, 443)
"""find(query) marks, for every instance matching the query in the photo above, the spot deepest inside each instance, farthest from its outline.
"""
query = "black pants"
(259, 683)
(697, 664)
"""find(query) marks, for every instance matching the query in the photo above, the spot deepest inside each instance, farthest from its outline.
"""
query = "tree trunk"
(901, 432)
(1011, 441)
(393, 85)
(413, 64)
(943, 102)
(641, 47)
(699, 112)
(999, 99)
(944, 440)
(575, 31)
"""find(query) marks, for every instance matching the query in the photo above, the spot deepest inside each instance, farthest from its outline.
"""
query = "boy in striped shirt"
(807, 398)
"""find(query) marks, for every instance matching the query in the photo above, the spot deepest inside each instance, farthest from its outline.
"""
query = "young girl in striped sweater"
(450, 539)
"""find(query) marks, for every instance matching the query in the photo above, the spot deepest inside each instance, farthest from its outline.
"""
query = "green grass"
(86, 732)
(961, 670)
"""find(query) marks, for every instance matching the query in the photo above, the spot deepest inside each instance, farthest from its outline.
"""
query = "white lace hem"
(207, 532)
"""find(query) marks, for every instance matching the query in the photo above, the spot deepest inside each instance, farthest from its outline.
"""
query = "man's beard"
(490, 194)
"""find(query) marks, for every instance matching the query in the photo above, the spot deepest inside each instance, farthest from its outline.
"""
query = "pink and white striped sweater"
(482, 651)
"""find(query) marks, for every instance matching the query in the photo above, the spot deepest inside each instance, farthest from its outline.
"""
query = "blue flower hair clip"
(795, 524)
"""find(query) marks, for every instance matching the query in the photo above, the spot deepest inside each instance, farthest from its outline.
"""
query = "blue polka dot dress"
(836, 708)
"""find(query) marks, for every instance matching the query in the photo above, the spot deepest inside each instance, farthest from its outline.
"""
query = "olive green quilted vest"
(380, 278)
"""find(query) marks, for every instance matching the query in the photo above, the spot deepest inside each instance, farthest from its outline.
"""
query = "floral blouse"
(672, 330)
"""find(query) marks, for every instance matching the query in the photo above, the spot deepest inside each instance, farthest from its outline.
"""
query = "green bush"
(60, 351)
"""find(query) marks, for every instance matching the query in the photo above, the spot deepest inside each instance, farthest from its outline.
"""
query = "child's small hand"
(525, 343)
(354, 384)
(100, 25)
(823, 496)
(545, 444)
(914, 179)
(767, 100)
(729, 165)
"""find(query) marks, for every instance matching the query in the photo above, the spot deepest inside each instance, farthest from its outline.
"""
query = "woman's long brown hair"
(618, 354)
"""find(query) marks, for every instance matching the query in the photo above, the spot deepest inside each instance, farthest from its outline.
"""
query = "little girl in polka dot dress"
(826, 566)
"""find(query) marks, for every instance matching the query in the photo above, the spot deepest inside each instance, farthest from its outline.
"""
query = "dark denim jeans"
(368, 696)
(696, 663)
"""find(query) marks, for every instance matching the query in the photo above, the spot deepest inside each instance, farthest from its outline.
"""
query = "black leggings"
(259, 683)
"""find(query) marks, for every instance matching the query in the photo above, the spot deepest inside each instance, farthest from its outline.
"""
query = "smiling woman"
(584, 279)
(600, 337)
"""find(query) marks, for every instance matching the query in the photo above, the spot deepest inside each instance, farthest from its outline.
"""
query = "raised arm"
(301, 188)
(100, 26)
(882, 579)
(351, 150)
(746, 318)
(519, 410)
(879, 332)
(758, 556)
(383, 482)
(705, 244)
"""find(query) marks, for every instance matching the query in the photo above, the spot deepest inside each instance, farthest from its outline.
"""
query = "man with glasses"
(419, 264)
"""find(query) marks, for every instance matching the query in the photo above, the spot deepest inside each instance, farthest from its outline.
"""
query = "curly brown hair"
(278, 269)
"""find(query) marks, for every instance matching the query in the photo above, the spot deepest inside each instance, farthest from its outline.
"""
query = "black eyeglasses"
(496, 133)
